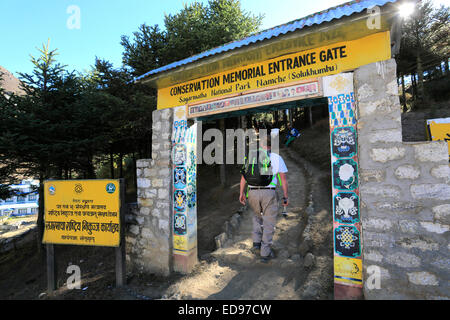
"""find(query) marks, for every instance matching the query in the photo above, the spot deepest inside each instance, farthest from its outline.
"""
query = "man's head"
(265, 142)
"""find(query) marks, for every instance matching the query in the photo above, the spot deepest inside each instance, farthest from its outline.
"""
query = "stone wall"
(149, 238)
(405, 196)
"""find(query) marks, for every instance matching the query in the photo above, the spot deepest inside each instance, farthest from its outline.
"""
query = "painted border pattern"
(184, 177)
(347, 242)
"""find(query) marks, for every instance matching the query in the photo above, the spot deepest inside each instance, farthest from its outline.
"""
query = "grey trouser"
(263, 201)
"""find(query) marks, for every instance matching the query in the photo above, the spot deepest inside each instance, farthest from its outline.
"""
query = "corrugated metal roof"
(337, 12)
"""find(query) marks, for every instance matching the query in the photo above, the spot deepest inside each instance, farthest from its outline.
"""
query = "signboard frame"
(254, 104)
(120, 253)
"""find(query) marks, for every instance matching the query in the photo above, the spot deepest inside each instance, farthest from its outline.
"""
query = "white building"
(24, 203)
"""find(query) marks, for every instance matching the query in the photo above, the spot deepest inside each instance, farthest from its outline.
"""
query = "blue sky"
(27, 24)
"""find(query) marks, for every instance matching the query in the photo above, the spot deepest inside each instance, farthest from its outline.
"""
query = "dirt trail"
(302, 268)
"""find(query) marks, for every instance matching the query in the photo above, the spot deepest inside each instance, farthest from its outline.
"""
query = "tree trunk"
(120, 165)
(275, 118)
(403, 93)
(420, 88)
(111, 164)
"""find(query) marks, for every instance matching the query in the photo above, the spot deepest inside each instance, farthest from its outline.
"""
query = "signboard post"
(84, 212)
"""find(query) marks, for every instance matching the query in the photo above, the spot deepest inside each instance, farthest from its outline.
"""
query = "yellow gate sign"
(439, 129)
(82, 212)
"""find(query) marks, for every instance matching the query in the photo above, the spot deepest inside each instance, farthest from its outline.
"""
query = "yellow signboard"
(440, 130)
(322, 61)
(82, 212)
(348, 270)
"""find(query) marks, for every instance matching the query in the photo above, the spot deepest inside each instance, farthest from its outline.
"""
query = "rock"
(309, 260)
(284, 254)
(295, 257)
(220, 240)
(304, 248)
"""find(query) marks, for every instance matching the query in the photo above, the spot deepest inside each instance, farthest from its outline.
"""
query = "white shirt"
(278, 166)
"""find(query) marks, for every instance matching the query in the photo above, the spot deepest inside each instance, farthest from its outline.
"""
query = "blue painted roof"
(345, 9)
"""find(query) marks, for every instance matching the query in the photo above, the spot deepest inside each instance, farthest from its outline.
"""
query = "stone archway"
(400, 188)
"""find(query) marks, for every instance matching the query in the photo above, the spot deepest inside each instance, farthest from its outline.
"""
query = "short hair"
(267, 141)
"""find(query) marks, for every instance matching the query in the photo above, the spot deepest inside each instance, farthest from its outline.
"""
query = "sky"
(84, 29)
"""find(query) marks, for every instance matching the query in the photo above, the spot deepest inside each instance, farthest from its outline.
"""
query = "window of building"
(31, 197)
(22, 211)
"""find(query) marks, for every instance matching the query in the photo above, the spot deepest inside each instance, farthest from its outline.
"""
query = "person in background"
(291, 135)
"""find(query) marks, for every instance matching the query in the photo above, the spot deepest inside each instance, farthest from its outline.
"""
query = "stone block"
(442, 213)
(403, 259)
(407, 171)
(441, 172)
(145, 203)
(422, 278)
(163, 193)
(373, 255)
(430, 191)
(134, 229)
(386, 136)
(372, 175)
(377, 240)
(392, 88)
(399, 207)
(418, 243)
(143, 183)
(387, 154)
(377, 224)
(365, 91)
(144, 210)
(380, 191)
(434, 151)
(157, 183)
(163, 225)
(151, 193)
(407, 226)
(144, 163)
(140, 220)
(442, 263)
(434, 227)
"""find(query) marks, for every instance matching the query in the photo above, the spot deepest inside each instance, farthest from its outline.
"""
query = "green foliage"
(194, 29)
(425, 47)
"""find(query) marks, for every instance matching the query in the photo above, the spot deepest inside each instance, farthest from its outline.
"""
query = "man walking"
(263, 197)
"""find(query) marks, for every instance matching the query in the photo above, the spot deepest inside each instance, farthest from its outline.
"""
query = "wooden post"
(51, 269)
(120, 250)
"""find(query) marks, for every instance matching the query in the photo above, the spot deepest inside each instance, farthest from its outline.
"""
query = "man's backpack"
(257, 169)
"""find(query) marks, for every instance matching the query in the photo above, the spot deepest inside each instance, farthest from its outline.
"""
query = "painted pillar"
(345, 185)
(184, 192)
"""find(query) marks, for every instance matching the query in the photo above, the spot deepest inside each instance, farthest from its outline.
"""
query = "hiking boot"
(266, 259)
(256, 249)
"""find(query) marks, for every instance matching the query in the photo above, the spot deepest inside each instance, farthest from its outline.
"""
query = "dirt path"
(302, 242)
(302, 269)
